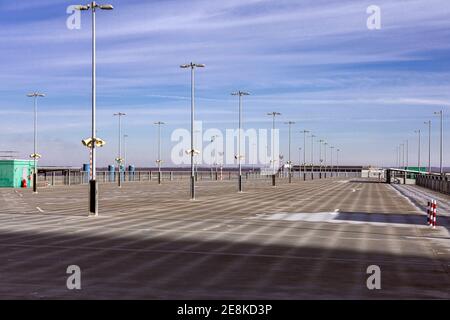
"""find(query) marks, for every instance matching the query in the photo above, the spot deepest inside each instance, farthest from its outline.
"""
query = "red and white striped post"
(433, 222)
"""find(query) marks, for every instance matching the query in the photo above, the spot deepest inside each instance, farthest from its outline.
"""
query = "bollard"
(273, 180)
(429, 210)
(434, 214)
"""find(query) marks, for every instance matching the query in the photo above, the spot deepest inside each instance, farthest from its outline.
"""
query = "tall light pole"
(337, 161)
(35, 155)
(429, 144)
(304, 152)
(331, 151)
(159, 161)
(418, 153)
(119, 159)
(441, 142)
(239, 156)
(213, 139)
(402, 154)
(320, 157)
(125, 136)
(325, 144)
(312, 155)
(407, 153)
(192, 66)
(312, 148)
(273, 114)
(93, 189)
(290, 123)
(299, 159)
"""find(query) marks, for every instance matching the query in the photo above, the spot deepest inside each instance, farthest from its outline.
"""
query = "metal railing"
(82, 177)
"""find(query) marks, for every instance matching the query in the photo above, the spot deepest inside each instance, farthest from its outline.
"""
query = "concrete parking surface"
(305, 240)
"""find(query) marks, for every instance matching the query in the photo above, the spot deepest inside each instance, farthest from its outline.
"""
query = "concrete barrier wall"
(434, 182)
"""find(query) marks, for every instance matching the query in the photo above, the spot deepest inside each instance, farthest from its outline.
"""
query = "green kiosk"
(13, 172)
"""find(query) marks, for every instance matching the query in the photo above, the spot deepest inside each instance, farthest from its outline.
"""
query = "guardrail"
(434, 182)
(82, 177)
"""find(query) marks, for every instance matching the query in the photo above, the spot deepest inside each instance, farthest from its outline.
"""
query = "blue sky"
(315, 61)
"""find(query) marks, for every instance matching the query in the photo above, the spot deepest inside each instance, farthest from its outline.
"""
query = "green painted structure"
(12, 172)
(421, 169)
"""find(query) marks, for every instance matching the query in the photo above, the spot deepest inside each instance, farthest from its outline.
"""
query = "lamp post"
(159, 123)
(273, 114)
(325, 144)
(331, 165)
(337, 161)
(119, 159)
(402, 155)
(312, 156)
(407, 153)
(290, 123)
(239, 156)
(429, 144)
(418, 153)
(93, 189)
(35, 155)
(320, 157)
(304, 152)
(125, 136)
(299, 160)
(192, 66)
(213, 139)
(441, 144)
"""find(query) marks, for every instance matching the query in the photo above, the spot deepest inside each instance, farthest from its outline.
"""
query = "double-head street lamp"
(441, 142)
(93, 200)
(159, 161)
(239, 156)
(192, 66)
(35, 155)
(273, 114)
(119, 159)
(290, 123)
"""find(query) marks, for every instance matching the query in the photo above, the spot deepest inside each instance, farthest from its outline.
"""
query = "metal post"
(312, 156)
(418, 154)
(407, 154)
(159, 161)
(192, 66)
(441, 144)
(304, 153)
(429, 144)
(290, 123)
(119, 159)
(93, 188)
(325, 157)
(239, 156)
